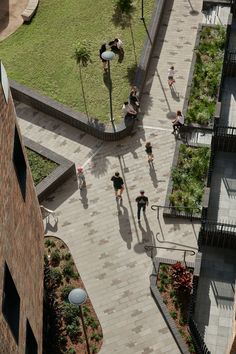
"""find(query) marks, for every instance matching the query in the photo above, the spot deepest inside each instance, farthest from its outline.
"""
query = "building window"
(11, 303)
(19, 163)
(31, 346)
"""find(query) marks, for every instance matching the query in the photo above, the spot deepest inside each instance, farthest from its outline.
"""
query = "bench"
(30, 10)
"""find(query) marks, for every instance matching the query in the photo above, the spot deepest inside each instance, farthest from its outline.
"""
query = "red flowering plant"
(182, 277)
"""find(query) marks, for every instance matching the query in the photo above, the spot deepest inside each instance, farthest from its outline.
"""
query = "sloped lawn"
(39, 55)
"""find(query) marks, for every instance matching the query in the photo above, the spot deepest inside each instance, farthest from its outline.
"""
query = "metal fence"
(217, 234)
(199, 343)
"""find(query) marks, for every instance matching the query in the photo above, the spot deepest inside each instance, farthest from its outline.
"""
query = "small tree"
(125, 6)
(82, 55)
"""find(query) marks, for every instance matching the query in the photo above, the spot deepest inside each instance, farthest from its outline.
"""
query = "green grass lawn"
(39, 55)
(39, 165)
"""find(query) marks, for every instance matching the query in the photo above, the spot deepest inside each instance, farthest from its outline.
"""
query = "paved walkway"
(105, 239)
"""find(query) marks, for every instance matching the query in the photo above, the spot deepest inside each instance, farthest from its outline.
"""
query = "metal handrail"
(192, 253)
(154, 207)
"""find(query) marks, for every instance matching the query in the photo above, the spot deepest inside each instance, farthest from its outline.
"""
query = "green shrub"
(173, 315)
(49, 243)
(164, 267)
(93, 348)
(207, 75)
(55, 276)
(65, 291)
(68, 271)
(86, 310)
(67, 256)
(55, 258)
(62, 340)
(161, 288)
(71, 351)
(70, 313)
(189, 178)
(125, 6)
(73, 331)
(96, 337)
(91, 322)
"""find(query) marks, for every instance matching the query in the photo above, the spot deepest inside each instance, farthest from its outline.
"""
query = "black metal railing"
(217, 234)
(175, 211)
(199, 343)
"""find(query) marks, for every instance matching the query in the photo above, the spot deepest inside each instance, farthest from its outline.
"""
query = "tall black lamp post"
(142, 11)
(78, 297)
(109, 55)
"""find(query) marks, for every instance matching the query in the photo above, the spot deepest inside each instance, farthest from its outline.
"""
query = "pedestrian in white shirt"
(178, 121)
(171, 72)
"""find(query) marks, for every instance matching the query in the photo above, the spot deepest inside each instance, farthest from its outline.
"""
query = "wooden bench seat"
(30, 10)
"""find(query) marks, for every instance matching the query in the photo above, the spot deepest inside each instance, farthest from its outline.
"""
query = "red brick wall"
(21, 239)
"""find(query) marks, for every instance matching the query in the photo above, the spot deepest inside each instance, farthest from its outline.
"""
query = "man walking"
(142, 202)
(118, 185)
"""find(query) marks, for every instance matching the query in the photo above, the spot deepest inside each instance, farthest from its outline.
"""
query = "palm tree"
(82, 56)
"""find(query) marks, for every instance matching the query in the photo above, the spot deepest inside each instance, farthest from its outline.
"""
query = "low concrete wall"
(65, 169)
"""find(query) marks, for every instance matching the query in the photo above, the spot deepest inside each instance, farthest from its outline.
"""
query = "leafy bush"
(173, 315)
(182, 279)
(67, 256)
(189, 178)
(91, 322)
(71, 351)
(96, 337)
(73, 331)
(70, 313)
(49, 243)
(55, 258)
(55, 276)
(207, 74)
(65, 291)
(68, 271)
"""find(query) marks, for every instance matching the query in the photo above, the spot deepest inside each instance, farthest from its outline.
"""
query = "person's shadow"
(84, 199)
(174, 93)
(124, 224)
(51, 227)
(148, 237)
(153, 175)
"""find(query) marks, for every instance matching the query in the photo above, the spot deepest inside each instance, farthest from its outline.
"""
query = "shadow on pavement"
(62, 193)
(124, 223)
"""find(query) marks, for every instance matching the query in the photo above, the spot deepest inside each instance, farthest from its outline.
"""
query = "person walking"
(133, 99)
(118, 185)
(104, 62)
(178, 121)
(148, 149)
(81, 177)
(142, 202)
(171, 72)
(128, 111)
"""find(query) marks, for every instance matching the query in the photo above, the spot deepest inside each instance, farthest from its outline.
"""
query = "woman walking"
(148, 149)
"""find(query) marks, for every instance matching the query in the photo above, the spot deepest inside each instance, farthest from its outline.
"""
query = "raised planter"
(162, 307)
(170, 210)
(190, 81)
(65, 169)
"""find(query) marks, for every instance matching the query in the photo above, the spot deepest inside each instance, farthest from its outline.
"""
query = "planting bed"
(40, 166)
(189, 178)
(62, 321)
(207, 75)
(174, 283)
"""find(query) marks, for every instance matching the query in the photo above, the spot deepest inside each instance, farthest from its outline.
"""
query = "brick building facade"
(21, 240)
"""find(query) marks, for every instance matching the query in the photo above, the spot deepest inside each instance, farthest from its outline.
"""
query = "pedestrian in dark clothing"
(118, 185)
(133, 98)
(142, 202)
(148, 149)
(104, 62)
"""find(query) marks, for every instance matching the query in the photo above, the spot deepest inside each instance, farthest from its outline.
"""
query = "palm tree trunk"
(83, 93)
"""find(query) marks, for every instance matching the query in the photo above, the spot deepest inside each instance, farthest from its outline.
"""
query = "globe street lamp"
(78, 297)
(109, 55)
